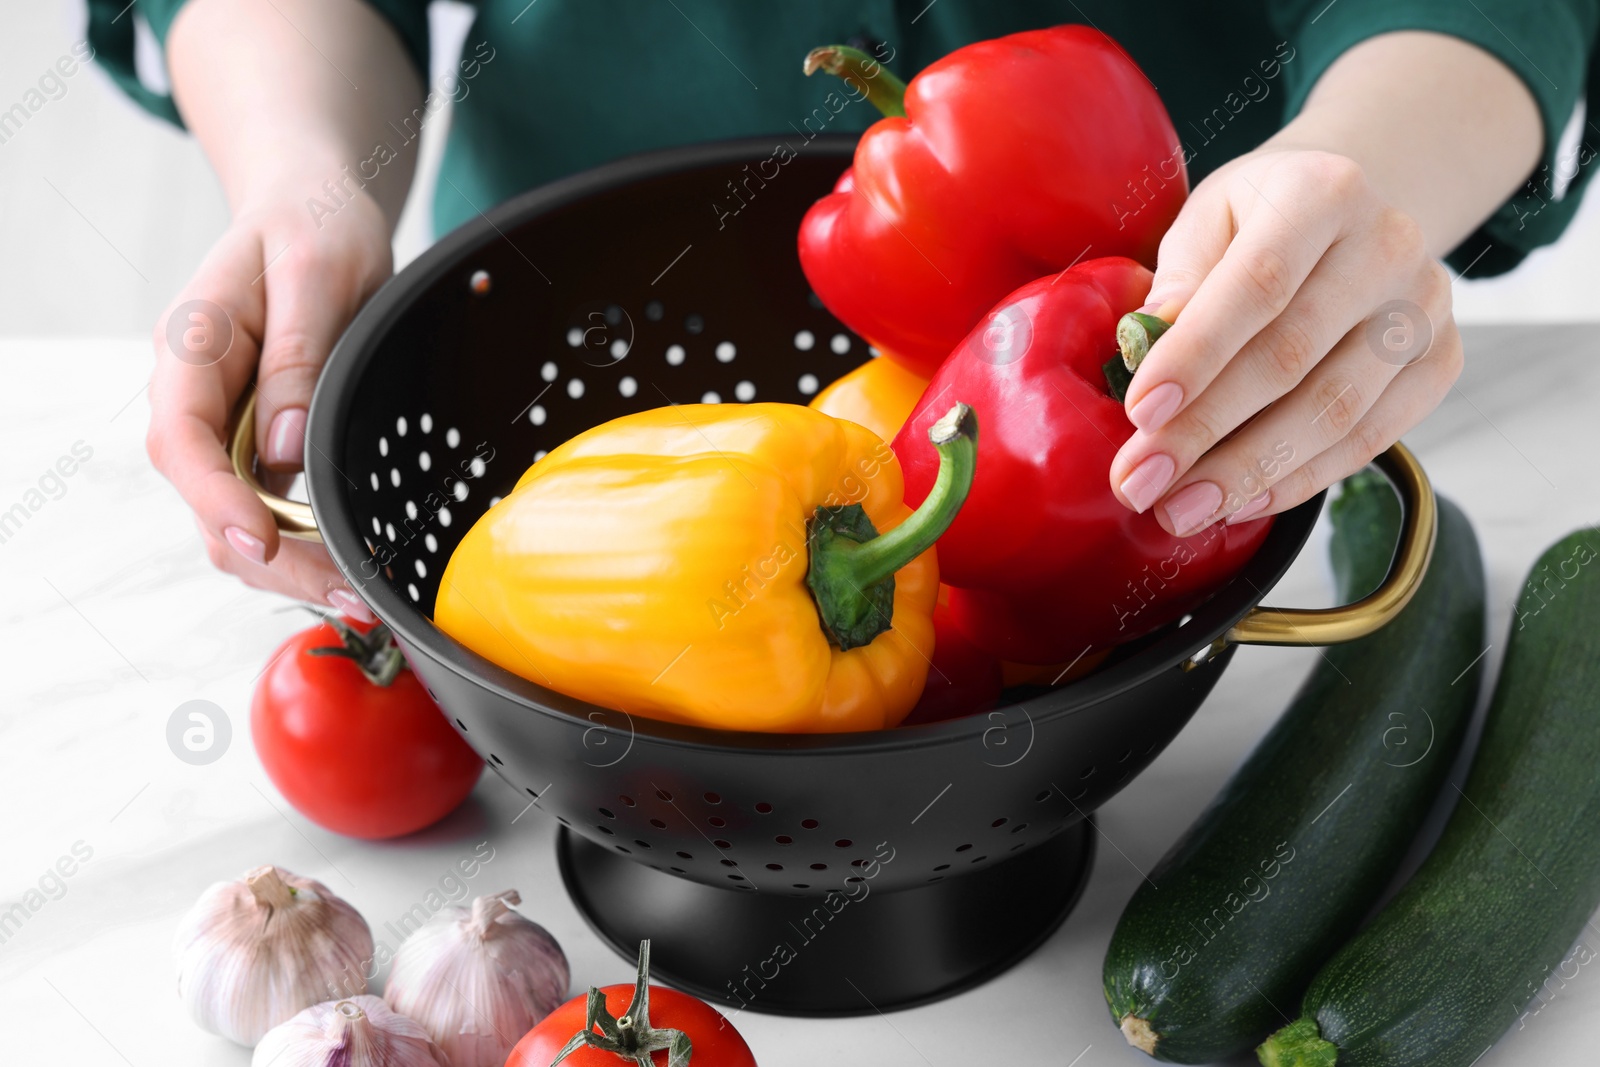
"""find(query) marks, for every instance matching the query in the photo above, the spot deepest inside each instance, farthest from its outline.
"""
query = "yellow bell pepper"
(879, 395)
(716, 565)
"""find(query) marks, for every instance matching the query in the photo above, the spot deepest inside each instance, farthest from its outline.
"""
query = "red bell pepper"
(1043, 561)
(963, 679)
(1005, 160)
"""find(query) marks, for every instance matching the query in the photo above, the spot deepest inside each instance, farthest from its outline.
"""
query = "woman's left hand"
(1315, 329)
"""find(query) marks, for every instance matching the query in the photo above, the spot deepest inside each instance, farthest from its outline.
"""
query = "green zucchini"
(1295, 850)
(1486, 923)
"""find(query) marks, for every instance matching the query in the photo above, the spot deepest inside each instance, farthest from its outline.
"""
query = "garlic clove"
(251, 953)
(478, 979)
(355, 1032)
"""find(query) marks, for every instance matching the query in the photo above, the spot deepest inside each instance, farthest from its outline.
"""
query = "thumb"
(1191, 247)
(307, 308)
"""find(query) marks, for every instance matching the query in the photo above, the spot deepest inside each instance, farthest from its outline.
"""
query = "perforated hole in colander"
(485, 363)
(431, 478)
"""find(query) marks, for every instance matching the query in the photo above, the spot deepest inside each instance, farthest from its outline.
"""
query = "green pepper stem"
(955, 436)
(852, 566)
(1300, 1044)
(1136, 332)
(886, 92)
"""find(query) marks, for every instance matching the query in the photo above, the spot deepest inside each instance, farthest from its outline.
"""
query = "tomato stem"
(374, 652)
(630, 1037)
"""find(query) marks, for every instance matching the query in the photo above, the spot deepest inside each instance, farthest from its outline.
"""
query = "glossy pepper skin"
(659, 564)
(1015, 157)
(1044, 562)
(963, 679)
(880, 395)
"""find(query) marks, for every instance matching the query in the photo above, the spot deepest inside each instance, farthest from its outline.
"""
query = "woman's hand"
(292, 141)
(1316, 325)
(1315, 329)
(278, 289)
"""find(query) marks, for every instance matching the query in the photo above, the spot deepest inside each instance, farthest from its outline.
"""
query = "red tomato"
(359, 758)
(716, 1043)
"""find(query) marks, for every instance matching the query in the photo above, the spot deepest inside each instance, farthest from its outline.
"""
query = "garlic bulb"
(252, 953)
(478, 980)
(355, 1032)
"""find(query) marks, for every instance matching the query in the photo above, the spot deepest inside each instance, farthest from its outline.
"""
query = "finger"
(308, 304)
(215, 323)
(1318, 413)
(1191, 247)
(1327, 410)
(1273, 252)
(193, 390)
(1413, 394)
(301, 570)
(1272, 363)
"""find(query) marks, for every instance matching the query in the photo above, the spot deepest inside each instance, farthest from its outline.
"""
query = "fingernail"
(1147, 481)
(1251, 509)
(1190, 508)
(286, 440)
(1162, 305)
(246, 544)
(346, 602)
(1156, 407)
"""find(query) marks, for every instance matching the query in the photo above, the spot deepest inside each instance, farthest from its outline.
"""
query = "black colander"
(800, 874)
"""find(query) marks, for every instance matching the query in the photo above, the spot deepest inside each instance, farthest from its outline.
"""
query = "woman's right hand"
(276, 291)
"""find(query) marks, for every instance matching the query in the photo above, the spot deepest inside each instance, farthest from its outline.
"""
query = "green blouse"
(549, 87)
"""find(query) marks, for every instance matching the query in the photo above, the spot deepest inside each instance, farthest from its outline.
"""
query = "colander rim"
(343, 536)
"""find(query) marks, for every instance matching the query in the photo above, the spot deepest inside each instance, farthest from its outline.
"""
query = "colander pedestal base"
(796, 955)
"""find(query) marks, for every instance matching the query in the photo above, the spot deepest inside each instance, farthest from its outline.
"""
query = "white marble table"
(112, 617)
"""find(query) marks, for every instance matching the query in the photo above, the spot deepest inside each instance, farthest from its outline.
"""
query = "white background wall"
(105, 211)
